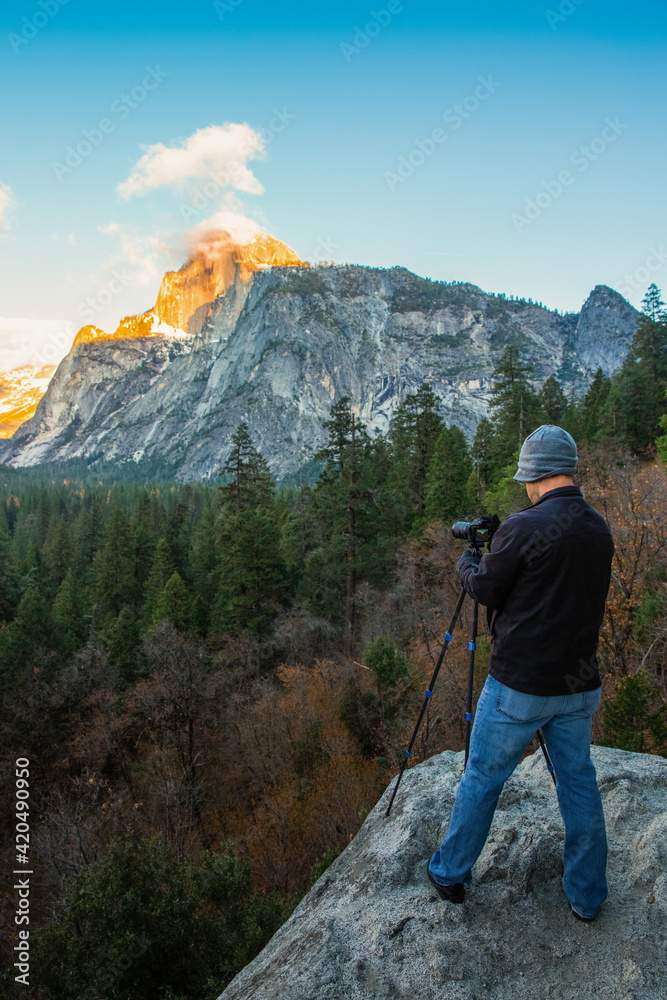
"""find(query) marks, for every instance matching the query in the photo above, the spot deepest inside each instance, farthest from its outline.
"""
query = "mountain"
(373, 927)
(183, 305)
(236, 335)
(20, 391)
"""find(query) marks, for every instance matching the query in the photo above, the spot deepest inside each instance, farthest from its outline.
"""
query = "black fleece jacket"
(546, 580)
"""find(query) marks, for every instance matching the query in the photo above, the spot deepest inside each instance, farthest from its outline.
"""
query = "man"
(546, 580)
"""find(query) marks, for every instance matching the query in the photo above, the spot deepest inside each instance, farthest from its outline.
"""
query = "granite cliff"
(256, 337)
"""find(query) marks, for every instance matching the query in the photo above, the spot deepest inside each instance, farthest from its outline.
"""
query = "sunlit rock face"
(185, 296)
(20, 391)
(148, 324)
(282, 343)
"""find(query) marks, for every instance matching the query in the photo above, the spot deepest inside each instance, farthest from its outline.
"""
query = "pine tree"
(204, 567)
(29, 631)
(298, 531)
(162, 568)
(343, 454)
(174, 605)
(56, 553)
(573, 418)
(340, 500)
(594, 402)
(88, 532)
(8, 581)
(636, 401)
(653, 308)
(353, 521)
(414, 431)
(42, 517)
(661, 443)
(70, 626)
(448, 476)
(247, 480)
(553, 401)
(180, 526)
(515, 405)
(251, 567)
(482, 450)
(124, 645)
(149, 527)
(514, 413)
(114, 566)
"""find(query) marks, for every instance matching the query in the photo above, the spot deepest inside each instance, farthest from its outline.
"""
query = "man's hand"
(467, 560)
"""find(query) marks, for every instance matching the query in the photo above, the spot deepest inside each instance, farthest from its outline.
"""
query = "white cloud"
(239, 227)
(33, 342)
(136, 256)
(219, 152)
(6, 202)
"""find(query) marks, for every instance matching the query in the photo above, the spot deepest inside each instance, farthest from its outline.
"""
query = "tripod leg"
(550, 767)
(429, 694)
(472, 646)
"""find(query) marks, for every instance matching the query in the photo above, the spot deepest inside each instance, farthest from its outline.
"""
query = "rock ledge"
(373, 927)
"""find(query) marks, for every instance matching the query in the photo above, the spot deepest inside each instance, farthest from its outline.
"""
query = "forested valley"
(214, 683)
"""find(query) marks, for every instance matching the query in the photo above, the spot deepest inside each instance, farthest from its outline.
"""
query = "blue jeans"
(505, 722)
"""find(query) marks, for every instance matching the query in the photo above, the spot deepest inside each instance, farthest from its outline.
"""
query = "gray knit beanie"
(548, 451)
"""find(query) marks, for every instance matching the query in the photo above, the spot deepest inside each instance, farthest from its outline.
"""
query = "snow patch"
(159, 326)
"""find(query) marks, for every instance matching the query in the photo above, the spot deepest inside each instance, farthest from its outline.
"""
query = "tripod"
(472, 647)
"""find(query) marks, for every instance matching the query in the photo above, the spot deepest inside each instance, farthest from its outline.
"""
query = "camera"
(478, 532)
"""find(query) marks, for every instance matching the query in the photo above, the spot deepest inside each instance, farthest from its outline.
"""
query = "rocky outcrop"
(279, 347)
(373, 928)
(602, 329)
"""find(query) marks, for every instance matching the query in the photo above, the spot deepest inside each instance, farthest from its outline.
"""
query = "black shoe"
(452, 893)
(586, 920)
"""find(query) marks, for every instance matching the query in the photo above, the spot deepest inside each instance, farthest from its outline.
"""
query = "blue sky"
(547, 179)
